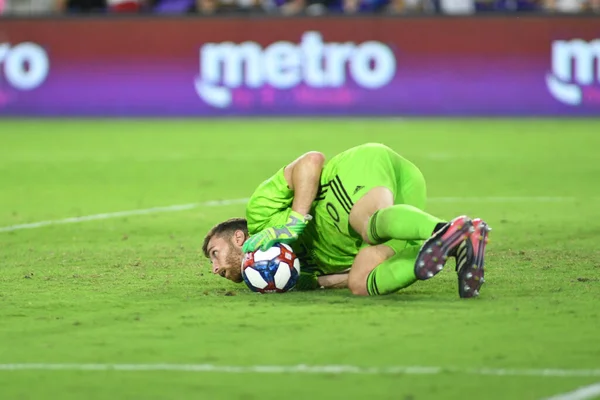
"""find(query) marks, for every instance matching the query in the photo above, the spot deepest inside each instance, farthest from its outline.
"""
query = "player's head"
(223, 247)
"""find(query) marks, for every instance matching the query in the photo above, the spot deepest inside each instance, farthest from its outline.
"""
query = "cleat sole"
(434, 252)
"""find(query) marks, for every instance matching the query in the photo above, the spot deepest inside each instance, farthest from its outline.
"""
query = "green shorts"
(345, 179)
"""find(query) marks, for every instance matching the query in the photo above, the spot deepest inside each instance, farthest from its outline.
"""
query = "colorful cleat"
(470, 260)
(434, 252)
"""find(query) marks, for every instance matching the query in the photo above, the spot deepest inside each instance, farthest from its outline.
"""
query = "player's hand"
(287, 233)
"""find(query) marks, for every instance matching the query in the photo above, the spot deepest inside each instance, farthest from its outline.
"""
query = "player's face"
(226, 257)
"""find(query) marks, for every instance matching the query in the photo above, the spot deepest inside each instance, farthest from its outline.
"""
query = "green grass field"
(136, 290)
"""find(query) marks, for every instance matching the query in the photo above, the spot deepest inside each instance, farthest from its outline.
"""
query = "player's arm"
(278, 210)
(309, 281)
(336, 281)
(303, 177)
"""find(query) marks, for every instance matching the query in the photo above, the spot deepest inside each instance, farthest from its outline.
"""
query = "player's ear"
(239, 237)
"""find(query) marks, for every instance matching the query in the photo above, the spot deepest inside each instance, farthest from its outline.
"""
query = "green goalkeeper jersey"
(321, 249)
(328, 244)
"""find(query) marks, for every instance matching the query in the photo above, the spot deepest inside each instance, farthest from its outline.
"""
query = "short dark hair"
(225, 228)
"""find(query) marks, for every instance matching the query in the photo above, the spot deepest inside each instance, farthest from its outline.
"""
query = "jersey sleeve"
(270, 204)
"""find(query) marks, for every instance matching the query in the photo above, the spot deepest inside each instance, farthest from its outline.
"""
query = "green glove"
(287, 233)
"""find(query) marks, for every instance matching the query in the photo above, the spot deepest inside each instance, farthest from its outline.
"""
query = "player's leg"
(377, 219)
(380, 269)
(387, 268)
(441, 240)
(394, 211)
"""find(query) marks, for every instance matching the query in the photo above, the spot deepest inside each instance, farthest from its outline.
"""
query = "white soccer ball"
(275, 270)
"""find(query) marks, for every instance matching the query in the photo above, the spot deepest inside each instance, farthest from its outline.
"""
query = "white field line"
(582, 393)
(154, 210)
(302, 369)
(216, 203)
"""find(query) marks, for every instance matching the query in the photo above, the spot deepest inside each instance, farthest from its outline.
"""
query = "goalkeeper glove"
(287, 233)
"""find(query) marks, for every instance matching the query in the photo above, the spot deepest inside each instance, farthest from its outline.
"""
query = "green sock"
(401, 221)
(393, 274)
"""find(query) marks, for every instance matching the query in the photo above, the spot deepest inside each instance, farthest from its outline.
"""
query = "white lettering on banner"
(26, 65)
(575, 63)
(284, 65)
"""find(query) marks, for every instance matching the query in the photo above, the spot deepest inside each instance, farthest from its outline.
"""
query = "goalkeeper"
(356, 221)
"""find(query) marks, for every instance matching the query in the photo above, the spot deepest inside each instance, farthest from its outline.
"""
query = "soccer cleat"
(435, 251)
(470, 260)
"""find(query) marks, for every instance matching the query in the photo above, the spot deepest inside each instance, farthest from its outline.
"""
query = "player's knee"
(358, 286)
(357, 278)
(367, 259)
(315, 158)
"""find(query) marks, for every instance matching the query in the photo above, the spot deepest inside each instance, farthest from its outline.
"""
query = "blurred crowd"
(293, 7)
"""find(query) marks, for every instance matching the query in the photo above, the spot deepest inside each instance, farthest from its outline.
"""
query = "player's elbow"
(314, 158)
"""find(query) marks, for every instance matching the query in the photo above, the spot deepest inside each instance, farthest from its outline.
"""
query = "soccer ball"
(275, 270)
